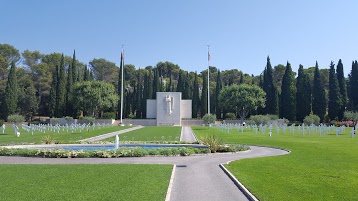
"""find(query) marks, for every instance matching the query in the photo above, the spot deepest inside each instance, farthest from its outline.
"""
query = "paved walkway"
(108, 135)
(196, 177)
(187, 135)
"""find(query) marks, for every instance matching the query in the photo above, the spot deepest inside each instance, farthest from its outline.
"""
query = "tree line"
(57, 85)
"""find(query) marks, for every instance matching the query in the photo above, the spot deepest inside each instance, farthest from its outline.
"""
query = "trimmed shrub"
(88, 119)
(260, 119)
(230, 115)
(109, 115)
(209, 118)
(15, 118)
(311, 119)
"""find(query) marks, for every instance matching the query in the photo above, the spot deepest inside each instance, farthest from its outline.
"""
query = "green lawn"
(9, 136)
(84, 182)
(152, 133)
(318, 168)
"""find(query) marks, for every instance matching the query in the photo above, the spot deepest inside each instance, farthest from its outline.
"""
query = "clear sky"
(241, 33)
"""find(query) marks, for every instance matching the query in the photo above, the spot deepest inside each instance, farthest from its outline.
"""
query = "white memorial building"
(168, 109)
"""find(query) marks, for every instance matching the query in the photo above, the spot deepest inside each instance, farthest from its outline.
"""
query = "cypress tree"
(53, 92)
(319, 103)
(288, 94)
(195, 100)
(85, 74)
(335, 98)
(91, 77)
(218, 88)
(303, 95)
(60, 90)
(186, 92)
(74, 68)
(354, 86)
(180, 85)
(204, 96)
(69, 85)
(155, 83)
(269, 88)
(139, 96)
(241, 78)
(342, 88)
(11, 92)
(150, 84)
(169, 86)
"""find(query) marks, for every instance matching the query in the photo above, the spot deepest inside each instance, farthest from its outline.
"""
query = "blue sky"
(241, 33)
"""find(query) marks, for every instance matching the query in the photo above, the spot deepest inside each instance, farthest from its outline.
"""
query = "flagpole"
(122, 78)
(208, 80)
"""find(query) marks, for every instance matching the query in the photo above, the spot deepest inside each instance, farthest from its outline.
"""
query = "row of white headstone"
(55, 128)
(301, 129)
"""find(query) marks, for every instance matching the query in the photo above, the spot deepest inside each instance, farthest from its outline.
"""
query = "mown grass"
(318, 168)
(152, 133)
(84, 182)
(9, 136)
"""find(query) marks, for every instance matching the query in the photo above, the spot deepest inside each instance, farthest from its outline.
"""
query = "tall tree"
(354, 86)
(288, 94)
(119, 87)
(69, 86)
(11, 92)
(181, 82)
(204, 95)
(195, 101)
(218, 108)
(269, 88)
(334, 95)
(139, 96)
(60, 90)
(53, 93)
(186, 92)
(342, 88)
(319, 103)
(74, 70)
(303, 95)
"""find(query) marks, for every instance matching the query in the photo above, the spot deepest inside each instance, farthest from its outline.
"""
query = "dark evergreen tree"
(269, 88)
(218, 108)
(53, 92)
(195, 100)
(61, 89)
(204, 95)
(74, 70)
(91, 77)
(342, 88)
(150, 84)
(241, 78)
(69, 86)
(169, 85)
(354, 86)
(181, 84)
(334, 97)
(319, 103)
(139, 96)
(85, 74)
(11, 92)
(155, 83)
(303, 95)
(186, 92)
(288, 94)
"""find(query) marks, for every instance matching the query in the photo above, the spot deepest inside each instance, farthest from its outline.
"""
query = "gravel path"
(196, 177)
(187, 135)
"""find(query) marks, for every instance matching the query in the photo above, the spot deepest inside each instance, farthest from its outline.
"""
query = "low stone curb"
(169, 191)
(242, 188)
(108, 135)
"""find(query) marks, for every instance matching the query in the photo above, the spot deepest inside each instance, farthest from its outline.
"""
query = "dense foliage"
(32, 83)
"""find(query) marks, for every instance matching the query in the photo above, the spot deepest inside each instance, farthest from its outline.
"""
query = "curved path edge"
(198, 175)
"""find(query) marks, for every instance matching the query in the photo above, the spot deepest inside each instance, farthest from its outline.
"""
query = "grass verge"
(318, 168)
(84, 182)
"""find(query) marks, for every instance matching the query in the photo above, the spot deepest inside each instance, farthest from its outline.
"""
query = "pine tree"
(342, 88)
(335, 98)
(218, 108)
(11, 92)
(354, 86)
(319, 103)
(60, 90)
(53, 92)
(288, 94)
(195, 100)
(303, 95)
(269, 88)
(204, 96)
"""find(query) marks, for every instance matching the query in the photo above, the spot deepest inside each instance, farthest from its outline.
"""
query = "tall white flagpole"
(208, 80)
(122, 79)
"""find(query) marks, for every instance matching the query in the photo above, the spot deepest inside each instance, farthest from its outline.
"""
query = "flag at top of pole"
(208, 80)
